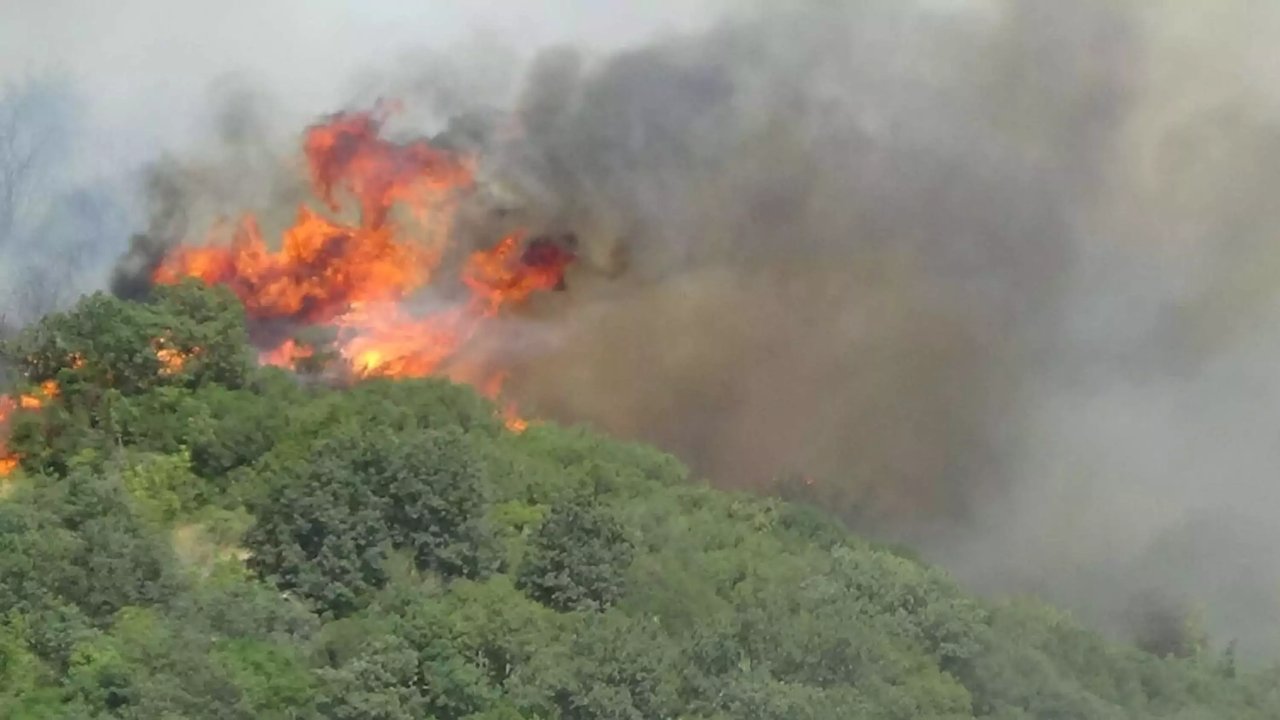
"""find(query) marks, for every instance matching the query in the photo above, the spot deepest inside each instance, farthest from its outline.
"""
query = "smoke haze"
(991, 278)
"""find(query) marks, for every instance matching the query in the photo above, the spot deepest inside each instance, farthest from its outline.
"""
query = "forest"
(188, 535)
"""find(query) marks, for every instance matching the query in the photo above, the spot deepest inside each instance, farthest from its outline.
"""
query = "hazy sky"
(145, 66)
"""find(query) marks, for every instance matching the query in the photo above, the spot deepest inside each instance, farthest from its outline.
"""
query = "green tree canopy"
(221, 541)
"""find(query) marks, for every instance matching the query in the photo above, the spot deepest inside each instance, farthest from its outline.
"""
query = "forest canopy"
(188, 535)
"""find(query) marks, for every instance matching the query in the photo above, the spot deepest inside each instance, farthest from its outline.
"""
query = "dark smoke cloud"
(944, 264)
(846, 233)
(247, 168)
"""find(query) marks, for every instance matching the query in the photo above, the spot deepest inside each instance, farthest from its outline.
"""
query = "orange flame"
(347, 153)
(500, 276)
(48, 390)
(322, 268)
(356, 278)
(288, 354)
(171, 359)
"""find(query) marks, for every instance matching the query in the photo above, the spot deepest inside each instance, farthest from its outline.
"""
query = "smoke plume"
(994, 281)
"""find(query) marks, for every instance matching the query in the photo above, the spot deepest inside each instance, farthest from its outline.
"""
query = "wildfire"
(358, 277)
(172, 360)
(288, 354)
(47, 391)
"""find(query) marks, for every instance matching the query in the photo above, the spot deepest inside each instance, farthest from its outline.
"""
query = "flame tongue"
(348, 153)
(500, 276)
(356, 278)
(322, 268)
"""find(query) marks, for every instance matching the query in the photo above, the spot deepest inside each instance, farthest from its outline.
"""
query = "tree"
(189, 335)
(369, 587)
(106, 350)
(436, 504)
(381, 683)
(578, 558)
(322, 533)
(80, 541)
(612, 666)
(150, 666)
(328, 532)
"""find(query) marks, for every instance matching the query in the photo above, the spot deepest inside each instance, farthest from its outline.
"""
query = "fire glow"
(357, 278)
(172, 362)
(8, 406)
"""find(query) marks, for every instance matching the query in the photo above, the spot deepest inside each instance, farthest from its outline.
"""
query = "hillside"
(190, 536)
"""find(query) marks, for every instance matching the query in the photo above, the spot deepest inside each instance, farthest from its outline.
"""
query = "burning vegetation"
(359, 278)
(359, 282)
(47, 391)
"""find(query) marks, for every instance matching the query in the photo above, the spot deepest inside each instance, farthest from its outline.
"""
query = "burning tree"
(361, 278)
(106, 349)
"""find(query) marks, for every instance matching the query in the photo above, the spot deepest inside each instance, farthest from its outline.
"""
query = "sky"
(155, 54)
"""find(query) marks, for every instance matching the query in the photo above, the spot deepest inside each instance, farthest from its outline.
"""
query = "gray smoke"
(58, 219)
(839, 238)
(997, 281)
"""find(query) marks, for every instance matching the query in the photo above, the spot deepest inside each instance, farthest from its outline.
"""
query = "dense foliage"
(209, 540)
